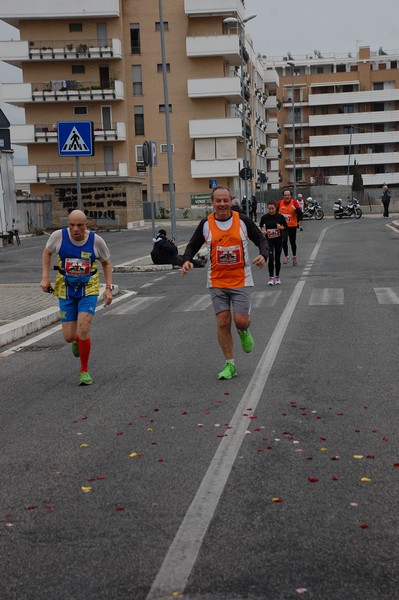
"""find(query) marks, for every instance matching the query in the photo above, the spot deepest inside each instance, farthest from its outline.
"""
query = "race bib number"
(77, 267)
(272, 233)
(229, 255)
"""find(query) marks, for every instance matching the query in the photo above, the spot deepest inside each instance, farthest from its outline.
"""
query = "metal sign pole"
(78, 190)
(152, 202)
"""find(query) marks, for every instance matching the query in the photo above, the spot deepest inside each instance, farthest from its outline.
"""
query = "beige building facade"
(101, 61)
(337, 109)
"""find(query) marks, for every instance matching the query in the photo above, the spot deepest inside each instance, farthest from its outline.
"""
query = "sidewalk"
(25, 309)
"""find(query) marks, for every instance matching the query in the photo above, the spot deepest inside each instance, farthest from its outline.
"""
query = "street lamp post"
(292, 65)
(167, 124)
(241, 24)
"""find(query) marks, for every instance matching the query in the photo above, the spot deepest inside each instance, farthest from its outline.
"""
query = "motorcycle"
(352, 208)
(313, 209)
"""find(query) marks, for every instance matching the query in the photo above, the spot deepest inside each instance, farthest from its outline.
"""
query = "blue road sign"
(75, 138)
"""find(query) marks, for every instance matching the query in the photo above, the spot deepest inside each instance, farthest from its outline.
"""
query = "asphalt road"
(159, 481)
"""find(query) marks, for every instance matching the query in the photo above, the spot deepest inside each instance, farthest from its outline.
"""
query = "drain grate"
(34, 348)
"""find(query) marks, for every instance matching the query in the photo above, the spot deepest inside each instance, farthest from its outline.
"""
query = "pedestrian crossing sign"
(75, 138)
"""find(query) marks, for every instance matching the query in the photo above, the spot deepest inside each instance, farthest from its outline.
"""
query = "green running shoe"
(247, 341)
(228, 372)
(84, 378)
(75, 348)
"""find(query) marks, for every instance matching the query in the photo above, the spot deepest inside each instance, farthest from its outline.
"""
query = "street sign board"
(75, 138)
(213, 183)
(246, 173)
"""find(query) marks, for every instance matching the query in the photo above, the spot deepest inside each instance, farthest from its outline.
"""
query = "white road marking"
(266, 298)
(135, 305)
(183, 551)
(197, 302)
(49, 332)
(387, 295)
(326, 296)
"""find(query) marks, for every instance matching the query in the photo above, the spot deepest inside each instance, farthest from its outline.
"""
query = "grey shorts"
(238, 299)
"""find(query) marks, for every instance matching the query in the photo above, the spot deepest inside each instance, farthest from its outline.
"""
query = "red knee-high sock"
(84, 353)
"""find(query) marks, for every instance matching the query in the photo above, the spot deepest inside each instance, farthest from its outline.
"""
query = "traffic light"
(262, 177)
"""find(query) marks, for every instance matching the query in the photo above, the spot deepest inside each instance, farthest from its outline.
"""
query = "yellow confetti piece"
(86, 488)
(84, 445)
(133, 454)
(359, 456)
(176, 594)
(365, 480)
(323, 449)
(150, 429)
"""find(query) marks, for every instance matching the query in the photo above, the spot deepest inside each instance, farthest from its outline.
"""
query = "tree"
(357, 182)
(317, 177)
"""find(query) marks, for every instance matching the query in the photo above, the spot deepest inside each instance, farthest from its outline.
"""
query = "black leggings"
(291, 234)
(275, 247)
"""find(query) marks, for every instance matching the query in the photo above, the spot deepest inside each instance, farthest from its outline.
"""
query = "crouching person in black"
(164, 252)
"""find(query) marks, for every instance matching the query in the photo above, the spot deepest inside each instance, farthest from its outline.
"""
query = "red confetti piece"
(119, 433)
(318, 417)
(364, 526)
(130, 424)
(161, 460)
(31, 507)
(260, 450)
(119, 508)
(309, 458)
(276, 500)
(75, 421)
(101, 477)
(335, 478)
(340, 414)
(7, 516)
(253, 417)
(374, 431)
(156, 409)
(385, 439)
(357, 430)
(265, 439)
(84, 418)
(322, 439)
(257, 429)
(184, 412)
(312, 479)
(222, 435)
(270, 447)
(396, 464)
(142, 416)
(227, 393)
(50, 506)
(370, 456)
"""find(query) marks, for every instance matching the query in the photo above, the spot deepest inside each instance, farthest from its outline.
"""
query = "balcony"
(211, 8)
(390, 95)
(216, 87)
(368, 158)
(12, 12)
(17, 52)
(28, 174)
(271, 78)
(376, 180)
(224, 46)
(62, 91)
(43, 133)
(357, 118)
(272, 128)
(214, 168)
(346, 139)
(273, 152)
(215, 128)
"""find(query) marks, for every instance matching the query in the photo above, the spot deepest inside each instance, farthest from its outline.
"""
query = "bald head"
(77, 225)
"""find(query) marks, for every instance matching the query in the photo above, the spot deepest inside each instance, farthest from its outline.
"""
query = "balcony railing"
(68, 170)
(56, 49)
(66, 89)
(48, 132)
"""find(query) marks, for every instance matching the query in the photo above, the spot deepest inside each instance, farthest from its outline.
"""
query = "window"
(379, 127)
(162, 108)
(137, 80)
(164, 148)
(159, 67)
(165, 187)
(379, 169)
(394, 64)
(139, 120)
(135, 38)
(158, 25)
(75, 27)
(348, 108)
(341, 68)
(319, 70)
(324, 110)
(80, 110)
(378, 85)
(379, 148)
(377, 106)
(139, 154)
(78, 69)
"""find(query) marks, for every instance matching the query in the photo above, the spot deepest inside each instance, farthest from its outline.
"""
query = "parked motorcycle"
(352, 209)
(313, 209)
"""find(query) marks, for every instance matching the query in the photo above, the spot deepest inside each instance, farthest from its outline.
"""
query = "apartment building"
(337, 109)
(101, 61)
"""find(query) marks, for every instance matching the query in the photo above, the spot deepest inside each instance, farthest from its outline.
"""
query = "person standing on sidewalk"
(292, 213)
(385, 199)
(273, 226)
(227, 233)
(77, 284)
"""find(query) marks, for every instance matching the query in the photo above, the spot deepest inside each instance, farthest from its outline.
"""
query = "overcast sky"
(331, 26)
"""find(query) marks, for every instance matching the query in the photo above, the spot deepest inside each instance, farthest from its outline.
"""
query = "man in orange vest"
(227, 234)
(292, 213)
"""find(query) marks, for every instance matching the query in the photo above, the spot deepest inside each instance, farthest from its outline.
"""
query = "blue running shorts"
(69, 309)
